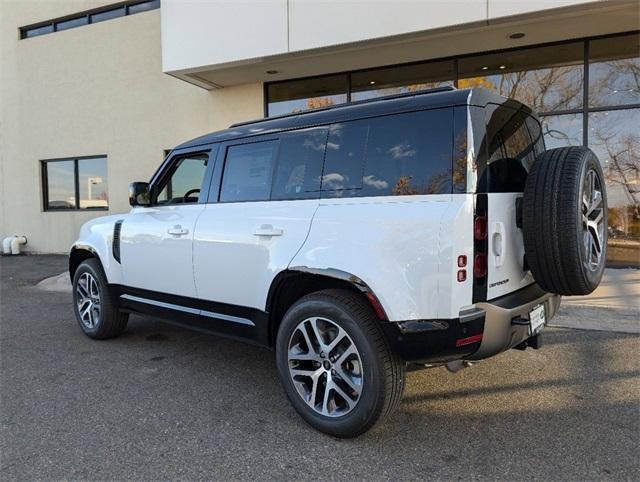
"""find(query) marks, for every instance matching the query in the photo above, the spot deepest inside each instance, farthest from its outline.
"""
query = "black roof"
(426, 99)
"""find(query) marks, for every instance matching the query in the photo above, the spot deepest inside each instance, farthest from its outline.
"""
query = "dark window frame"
(76, 181)
(86, 14)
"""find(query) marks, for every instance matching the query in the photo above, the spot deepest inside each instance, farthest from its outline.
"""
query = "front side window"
(71, 184)
(182, 185)
(248, 171)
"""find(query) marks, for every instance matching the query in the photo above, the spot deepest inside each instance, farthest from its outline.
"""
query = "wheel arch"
(293, 283)
(80, 253)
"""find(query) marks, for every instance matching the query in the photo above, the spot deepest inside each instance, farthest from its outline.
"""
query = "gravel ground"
(164, 403)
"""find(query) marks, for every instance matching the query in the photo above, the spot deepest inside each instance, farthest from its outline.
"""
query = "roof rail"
(435, 90)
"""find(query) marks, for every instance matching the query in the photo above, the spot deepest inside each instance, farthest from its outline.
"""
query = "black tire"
(382, 371)
(107, 321)
(553, 224)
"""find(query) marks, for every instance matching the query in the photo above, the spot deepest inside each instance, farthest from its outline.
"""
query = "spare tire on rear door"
(564, 221)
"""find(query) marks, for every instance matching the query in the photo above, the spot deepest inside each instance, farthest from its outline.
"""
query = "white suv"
(414, 230)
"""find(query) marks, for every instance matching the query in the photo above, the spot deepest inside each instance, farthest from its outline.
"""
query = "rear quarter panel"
(402, 247)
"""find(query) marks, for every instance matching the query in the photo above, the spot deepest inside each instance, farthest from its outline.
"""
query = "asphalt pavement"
(161, 402)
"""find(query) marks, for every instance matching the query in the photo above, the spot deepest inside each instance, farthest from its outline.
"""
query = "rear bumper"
(504, 316)
(489, 328)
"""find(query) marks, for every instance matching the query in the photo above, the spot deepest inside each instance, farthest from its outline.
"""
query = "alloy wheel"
(88, 300)
(325, 367)
(592, 220)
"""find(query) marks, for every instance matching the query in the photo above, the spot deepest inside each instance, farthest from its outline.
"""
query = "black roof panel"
(428, 99)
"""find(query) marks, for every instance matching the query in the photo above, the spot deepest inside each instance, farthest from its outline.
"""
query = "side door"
(264, 194)
(157, 241)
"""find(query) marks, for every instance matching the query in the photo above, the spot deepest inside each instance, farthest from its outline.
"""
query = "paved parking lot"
(161, 402)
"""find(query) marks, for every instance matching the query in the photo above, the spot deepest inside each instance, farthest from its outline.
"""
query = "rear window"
(395, 155)
(511, 148)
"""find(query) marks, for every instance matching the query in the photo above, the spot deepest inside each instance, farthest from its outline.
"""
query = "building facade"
(93, 93)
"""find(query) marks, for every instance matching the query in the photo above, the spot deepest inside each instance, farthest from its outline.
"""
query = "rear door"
(262, 201)
(514, 138)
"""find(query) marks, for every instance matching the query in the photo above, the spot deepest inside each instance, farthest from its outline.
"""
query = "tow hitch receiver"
(534, 342)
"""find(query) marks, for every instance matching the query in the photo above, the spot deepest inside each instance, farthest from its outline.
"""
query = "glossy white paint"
(239, 248)
(391, 243)
(456, 239)
(152, 257)
(97, 236)
(506, 247)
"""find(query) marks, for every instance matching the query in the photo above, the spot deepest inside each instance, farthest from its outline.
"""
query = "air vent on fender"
(115, 248)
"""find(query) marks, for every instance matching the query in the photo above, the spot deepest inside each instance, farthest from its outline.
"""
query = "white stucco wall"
(199, 33)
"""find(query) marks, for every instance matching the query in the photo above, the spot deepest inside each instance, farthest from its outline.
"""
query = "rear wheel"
(95, 310)
(565, 221)
(335, 365)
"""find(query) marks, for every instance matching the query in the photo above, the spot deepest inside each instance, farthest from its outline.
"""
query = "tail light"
(480, 265)
(480, 228)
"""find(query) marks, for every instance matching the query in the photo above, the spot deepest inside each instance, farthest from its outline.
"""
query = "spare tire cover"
(564, 221)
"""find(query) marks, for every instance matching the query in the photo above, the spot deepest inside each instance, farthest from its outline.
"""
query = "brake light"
(462, 261)
(469, 340)
(480, 228)
(480, 265)
(462, 275)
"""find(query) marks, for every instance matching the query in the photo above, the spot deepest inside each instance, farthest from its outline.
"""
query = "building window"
(305, 94)
(74, 184)
(96, 15)
(372, 83)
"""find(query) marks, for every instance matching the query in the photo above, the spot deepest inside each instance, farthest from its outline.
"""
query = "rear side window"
(299, 165)
(409, 154)
(248, 171)
(394, 155)
(344, 160)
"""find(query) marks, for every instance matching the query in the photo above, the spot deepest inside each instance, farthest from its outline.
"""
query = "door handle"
(268, 230)
(177, 230)
(498, 242)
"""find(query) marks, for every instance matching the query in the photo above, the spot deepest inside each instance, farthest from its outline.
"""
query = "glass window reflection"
(398, 80)
(92, 183)
(305, 94)
(614, 71)
(61, 190)
(544, 78)
(562, 130)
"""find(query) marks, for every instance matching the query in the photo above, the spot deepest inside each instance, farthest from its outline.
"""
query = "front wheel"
(335, 364)
(95, 311)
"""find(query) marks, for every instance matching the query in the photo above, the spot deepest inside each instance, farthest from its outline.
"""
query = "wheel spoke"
(348, 380)
(350, 402)
(325, 398)
(316, 331)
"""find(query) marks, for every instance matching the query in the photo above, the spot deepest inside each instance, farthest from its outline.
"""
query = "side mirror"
(139, 194)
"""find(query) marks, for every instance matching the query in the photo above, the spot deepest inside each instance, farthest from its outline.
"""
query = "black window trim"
(24, 31)
(76, 180)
